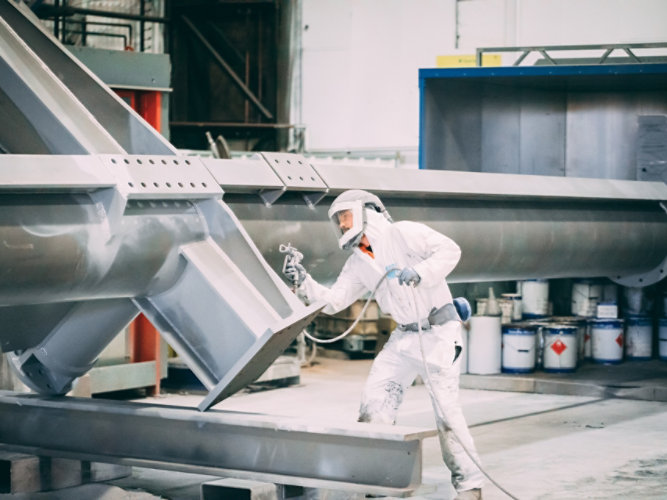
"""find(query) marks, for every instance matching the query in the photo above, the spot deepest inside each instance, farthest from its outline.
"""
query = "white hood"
(376, 225)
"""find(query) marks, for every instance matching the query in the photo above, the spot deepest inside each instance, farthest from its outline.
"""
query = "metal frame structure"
(626, 48)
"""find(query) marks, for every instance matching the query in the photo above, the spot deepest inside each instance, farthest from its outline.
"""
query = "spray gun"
(293, 257)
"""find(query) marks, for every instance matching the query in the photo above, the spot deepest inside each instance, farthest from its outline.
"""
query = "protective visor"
(348, 222)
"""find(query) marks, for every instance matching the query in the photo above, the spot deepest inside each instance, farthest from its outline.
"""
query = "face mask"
(348, 222)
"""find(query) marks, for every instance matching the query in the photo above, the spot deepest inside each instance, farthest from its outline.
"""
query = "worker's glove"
(462, 308)
(295, 273)
(409, 277)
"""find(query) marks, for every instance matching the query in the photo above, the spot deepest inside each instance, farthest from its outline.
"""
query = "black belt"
(437, 317)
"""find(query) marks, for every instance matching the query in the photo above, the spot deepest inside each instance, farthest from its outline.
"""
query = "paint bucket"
(607, 340)
(505, 310)
(585, 297)
(484, 345)
(535, 298)
(662, 339)
(560, 348)
(464, 352)
(580, 323)
(638, 337)
(588, 342)
(515, 298)
(539, 341)
(518, 348)
(633, 300)
(610, 292)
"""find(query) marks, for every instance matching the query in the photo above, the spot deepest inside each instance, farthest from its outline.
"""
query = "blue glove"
(409, 277)
(462, 308)
(392, 271)
(295, 273)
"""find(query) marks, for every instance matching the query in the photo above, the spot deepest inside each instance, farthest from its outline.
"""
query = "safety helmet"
(349, 218)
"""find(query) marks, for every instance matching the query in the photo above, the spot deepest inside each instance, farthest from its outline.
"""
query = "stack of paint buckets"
(521, 340)
(522, 335)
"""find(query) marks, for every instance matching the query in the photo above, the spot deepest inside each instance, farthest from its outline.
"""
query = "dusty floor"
(581, 444)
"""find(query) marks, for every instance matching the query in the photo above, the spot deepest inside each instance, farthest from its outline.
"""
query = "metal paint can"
(585, 297)
(560, 348)
(639, 337)
(464, 352)
(634, 300)
(518, 348)
(662, 339)
(484, 345)
(481, 306)
(588, 342)
(515, 299)
(535, 298)
(607, 341)
(580, 323)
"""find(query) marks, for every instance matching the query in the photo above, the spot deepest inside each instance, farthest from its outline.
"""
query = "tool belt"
(437, 317)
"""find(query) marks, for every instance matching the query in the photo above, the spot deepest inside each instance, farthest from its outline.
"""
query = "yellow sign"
(466, 61)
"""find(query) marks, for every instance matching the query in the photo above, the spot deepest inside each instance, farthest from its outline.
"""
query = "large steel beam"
(362, 457)
(509, 226)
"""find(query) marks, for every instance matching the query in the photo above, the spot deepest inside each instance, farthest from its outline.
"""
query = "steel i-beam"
(375, 459)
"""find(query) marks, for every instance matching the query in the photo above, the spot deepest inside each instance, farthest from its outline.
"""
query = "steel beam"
(371, 458)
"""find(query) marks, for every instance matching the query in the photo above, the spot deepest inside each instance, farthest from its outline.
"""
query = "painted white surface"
(361, 57)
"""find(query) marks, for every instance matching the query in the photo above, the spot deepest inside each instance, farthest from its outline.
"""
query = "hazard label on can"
(619, 339)
(558, 347)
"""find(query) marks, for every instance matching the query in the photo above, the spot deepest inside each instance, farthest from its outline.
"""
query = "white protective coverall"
(433, 256)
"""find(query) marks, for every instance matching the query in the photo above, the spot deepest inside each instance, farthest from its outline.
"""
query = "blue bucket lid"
(638, 320)
(519, 329)
(559, 329)
(607, 323)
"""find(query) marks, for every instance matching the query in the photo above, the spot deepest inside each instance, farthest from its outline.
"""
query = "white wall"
(361, 57)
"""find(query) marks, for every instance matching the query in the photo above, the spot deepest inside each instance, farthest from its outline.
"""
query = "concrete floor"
(581, 444)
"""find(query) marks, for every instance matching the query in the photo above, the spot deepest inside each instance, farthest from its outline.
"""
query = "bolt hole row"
(300, 178)
(289, 162)
(151, 161)
(167, 184)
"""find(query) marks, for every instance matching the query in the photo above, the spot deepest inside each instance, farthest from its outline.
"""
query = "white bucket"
(662, 339)
(535, 298)
(580, 323)
(610, 292)
(505, 310)
(560, 348)
(484, 345)
(588, 340)
(464, 352)
(634, 300)
(639, 337)
(585, 297)
(607, 340)
(481, 306)
(519, 343)
(515, 298)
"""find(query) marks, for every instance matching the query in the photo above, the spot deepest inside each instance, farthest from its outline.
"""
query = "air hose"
(434, 397)
(361, 315)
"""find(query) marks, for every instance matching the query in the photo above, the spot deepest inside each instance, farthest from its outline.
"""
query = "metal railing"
(627, 49)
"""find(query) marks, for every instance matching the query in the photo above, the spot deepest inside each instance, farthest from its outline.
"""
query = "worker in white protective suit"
(422, 258)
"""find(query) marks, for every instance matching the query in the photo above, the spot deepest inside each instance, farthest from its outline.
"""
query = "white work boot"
(475, 494)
